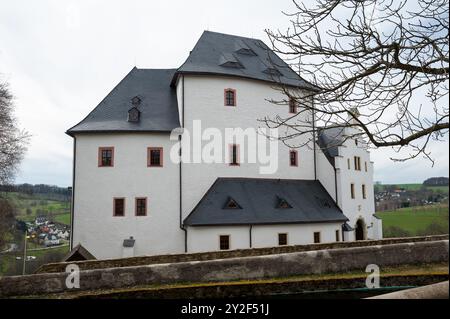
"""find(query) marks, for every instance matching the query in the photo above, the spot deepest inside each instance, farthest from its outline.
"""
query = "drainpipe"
(250, 235)
(314, 139)
(72, 206)
(182, 227)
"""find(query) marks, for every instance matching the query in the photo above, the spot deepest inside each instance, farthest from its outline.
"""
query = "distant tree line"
(51, 192)
(436, 181)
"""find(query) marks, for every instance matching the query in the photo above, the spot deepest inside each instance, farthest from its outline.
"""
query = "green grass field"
(416, 221)
(30, 206)
(415, 187)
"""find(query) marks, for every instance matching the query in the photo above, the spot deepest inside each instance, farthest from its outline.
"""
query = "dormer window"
(244, 49)
(282, 203)
(231, 204)
(133, 115)
(230, 61)
(273, 71)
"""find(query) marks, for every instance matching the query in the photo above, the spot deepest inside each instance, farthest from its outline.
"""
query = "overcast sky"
(62, 57)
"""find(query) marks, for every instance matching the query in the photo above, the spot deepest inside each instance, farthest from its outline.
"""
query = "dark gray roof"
(258, 199)
(158, 105)
(347, 227)
(329, 140)
(224, 54)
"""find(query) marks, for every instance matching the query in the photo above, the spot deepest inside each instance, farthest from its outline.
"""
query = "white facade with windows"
(127, 186)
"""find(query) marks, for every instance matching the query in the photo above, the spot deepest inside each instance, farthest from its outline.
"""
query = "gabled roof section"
(78, 253)
(157, 105)
(309, 200)
(329, 140)
(254, 56)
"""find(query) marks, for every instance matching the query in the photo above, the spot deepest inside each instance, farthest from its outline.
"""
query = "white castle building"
(133, 196)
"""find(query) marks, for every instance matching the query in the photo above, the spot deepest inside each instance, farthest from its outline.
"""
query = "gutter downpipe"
(314, 139)
(182, 227)
(72, 208)
(250, 236)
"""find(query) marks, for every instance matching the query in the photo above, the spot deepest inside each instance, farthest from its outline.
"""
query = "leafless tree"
(380, 66)
(12, 148)
(12, 139)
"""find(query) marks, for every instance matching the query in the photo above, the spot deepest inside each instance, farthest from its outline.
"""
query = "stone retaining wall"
(163, 259)
(271, 266)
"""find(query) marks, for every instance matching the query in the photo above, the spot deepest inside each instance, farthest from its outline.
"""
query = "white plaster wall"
(325, 173)
(302, 234)
(206, 238)
(204, 100)
(358, 207)
(203, 239)
(95, 187)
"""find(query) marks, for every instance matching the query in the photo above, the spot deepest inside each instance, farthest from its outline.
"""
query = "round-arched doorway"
(360, 229)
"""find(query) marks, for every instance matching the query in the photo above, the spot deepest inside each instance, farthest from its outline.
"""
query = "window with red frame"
(293, 158)
(106, 156)
(155, 157)
(119, 207)
(230, 97)
(141, 206)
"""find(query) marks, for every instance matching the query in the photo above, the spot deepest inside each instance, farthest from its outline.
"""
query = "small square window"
(317, 237)
(155, 157)
(224, 242)
(106, 156)
(282, 239)
(141, 206)
(119, 207)
(230, 97)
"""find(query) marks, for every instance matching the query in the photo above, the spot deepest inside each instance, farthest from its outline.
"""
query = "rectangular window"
(293, 158)
(357, 163)
(230, 97)
(105, 156)
(352, 190)
(292, 106)
(119, 207)
(317, 237)
(338, 235)
(224, 242)
(155, 157)
(363, 191)
(348, 163)
(282, 239)
(141, 206)
(365, 166)
(234, 155)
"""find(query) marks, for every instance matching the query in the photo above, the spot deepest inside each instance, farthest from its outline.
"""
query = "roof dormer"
(134, 115)
(242, 48)
(230, 61)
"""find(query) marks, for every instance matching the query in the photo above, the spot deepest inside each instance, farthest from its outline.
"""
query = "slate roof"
(258, 200)
(246, 57)
(329, 140)
(158, 105)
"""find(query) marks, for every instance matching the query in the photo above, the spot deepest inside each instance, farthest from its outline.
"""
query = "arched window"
(230, 97)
